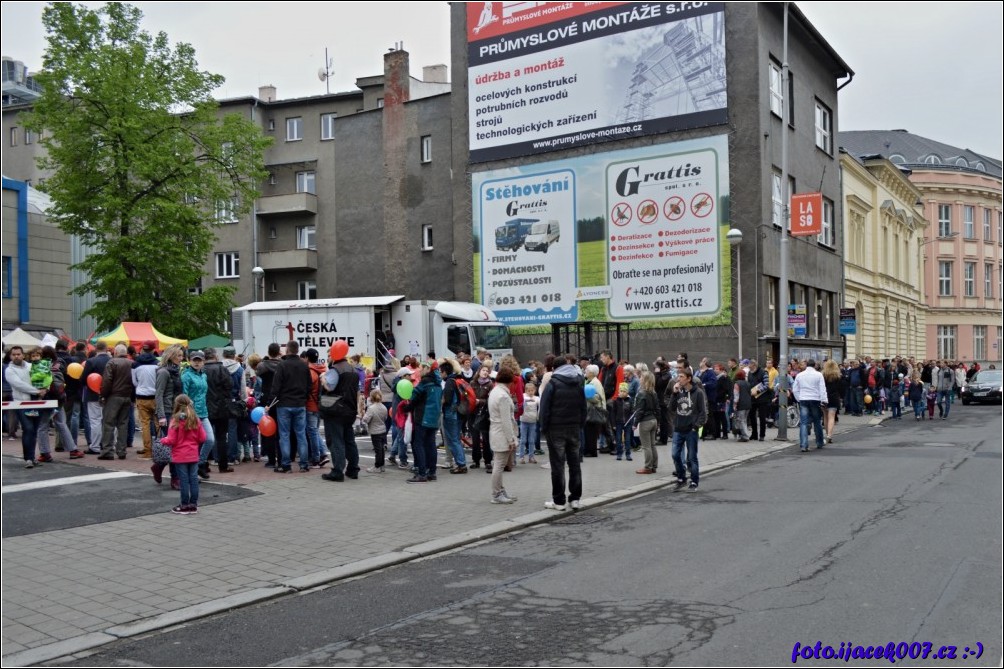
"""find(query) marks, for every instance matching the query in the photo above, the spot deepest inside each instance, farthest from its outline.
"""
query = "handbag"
(161, 452)
(595, 414)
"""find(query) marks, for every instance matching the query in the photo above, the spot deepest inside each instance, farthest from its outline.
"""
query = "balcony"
(288, 261)
(294, 203)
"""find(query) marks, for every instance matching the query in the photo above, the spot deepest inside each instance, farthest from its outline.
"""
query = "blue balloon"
(331, 378)
(257, 414)
(590, 391)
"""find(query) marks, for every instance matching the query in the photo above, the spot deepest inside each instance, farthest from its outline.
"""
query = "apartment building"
(961, 254)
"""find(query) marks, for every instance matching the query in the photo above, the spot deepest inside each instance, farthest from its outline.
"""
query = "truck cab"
(510, 235)
(542, 235)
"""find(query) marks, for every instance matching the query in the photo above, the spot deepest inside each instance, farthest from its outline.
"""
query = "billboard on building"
(547, 76)
(632, 235)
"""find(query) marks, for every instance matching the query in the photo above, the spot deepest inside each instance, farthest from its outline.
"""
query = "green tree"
(142, 164)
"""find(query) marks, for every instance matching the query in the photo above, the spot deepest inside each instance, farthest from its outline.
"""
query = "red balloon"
(94, 382)
(339, 350)
(266, 426)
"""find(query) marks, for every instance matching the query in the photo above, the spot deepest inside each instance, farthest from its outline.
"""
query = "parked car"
(986, 386)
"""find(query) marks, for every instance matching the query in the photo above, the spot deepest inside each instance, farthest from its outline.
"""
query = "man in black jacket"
(562, 415)
(338, 419)
(218, 391)
(291, 387)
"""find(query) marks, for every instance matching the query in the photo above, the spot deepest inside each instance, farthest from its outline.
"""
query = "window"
(228, 265)
(946, 342)
(426, 148)
(968, 228)
(773, 287)
(13, 136)
(294, 129)
(979, 342)
(379, 103)
(305, 237)
(776, 97)
(986, 225)
(427, 237)
(272, 179)
(328, 126)
(969, 279)
(305, 182)
(1000, 332)
(196, 289)
(226, 210)
(828, 236)
(944, 220)
(932, 159)
(944, 278)
(961, 162)
(271, 124)
(8, 276)
(988, 281)
(820, 319)
(306, 290)
(824, 128)
(777, 199)
(29, 137)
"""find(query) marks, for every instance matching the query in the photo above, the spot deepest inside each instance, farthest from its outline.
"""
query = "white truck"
(416, 326)
(542, 235)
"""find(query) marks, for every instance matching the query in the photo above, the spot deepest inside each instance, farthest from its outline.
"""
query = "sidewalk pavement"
(114, 580)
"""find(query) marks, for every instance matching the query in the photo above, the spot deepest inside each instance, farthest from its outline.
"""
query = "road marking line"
(68, 480)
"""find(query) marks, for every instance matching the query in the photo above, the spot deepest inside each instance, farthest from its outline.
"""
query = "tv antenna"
(325, 73)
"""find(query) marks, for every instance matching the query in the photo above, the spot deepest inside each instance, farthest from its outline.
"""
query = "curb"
(327, 577)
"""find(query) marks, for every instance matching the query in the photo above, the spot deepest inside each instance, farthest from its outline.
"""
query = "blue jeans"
(622, 438)
(918, 408)
(317, 449)
(944, 401)
(810, 410)
(451, 431)
(295, 419)
(30, 426)
(858, 397)
(398, 447)
(690, 439)
(189, 478)
(209, 443)
(527, 439)
(342, 445)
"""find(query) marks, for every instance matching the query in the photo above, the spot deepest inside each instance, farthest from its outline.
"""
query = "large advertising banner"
(632, 235)
(663, 235)
(548, 76)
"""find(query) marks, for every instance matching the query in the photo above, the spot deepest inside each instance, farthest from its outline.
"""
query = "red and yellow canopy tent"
(135, 334)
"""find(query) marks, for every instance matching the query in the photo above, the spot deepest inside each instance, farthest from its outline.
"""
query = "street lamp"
(257, 273)
(735, 238)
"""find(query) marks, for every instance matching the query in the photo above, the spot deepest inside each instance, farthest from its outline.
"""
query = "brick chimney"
(396, 77)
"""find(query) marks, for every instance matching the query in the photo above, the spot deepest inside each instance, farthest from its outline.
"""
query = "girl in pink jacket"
(185, 437)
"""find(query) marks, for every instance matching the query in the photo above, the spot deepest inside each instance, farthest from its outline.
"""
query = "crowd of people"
(199, 411)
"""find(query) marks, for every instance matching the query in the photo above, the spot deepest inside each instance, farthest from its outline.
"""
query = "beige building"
(960, 192)
(883, 240)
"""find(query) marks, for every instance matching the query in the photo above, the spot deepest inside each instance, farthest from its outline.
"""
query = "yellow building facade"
(883, 240)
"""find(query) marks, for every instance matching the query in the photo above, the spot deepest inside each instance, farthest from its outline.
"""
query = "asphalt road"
(892, 535)
(77, 495)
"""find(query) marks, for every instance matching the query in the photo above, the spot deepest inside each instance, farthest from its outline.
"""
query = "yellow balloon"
(868, 399)
(75, 370)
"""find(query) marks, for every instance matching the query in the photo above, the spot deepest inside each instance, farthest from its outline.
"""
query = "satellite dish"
(322, 74)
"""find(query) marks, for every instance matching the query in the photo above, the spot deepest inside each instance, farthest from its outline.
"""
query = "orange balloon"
(267, 426)
(94, 382)
(339, 350)
(868, 399)
(75, 370)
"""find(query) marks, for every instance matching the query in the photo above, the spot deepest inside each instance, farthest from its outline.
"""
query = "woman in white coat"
(502, 434)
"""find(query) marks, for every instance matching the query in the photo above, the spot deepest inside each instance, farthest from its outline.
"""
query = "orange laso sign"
(806, 214)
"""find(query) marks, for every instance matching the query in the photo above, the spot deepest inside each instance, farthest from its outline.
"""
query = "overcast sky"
(931, 68)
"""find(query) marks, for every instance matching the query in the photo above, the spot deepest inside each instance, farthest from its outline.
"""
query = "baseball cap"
(229, 352)
(196, 355)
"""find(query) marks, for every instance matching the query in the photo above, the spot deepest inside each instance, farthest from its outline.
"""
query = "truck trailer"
(416, 327)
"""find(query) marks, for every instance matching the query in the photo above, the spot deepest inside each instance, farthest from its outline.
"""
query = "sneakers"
(693, 486)
(476, 465)
(29, 464)
(375, 470)
(576, 505)
(403, 465)
(462, 469)
(502, 499)
(512, 497)
(106, 456)
(417, 479)
(157, 470)
(392, 461)
(182, 510)
(533, 460)
(76, 455)
(679, 483)
(645, 471)
(203, 471)
(553, 507)
(325, 461)
(522, 461)
(44, 457)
